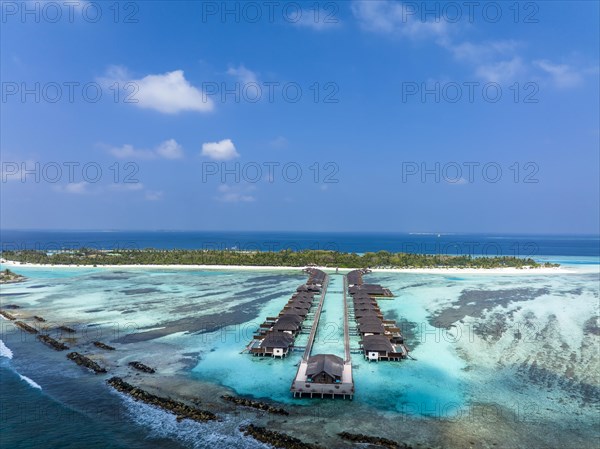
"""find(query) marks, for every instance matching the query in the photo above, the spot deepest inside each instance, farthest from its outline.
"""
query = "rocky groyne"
(26, 327)
(141, 367)
(377, 441)
(255, 404)
(8, 316)
(181, 410)
(276, 439)
(101, 345)
(52, 342)
(86, 362)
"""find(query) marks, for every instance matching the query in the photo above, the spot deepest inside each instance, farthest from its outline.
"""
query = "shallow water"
(519, 347)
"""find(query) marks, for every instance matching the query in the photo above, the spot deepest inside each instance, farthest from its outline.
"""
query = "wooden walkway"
(345, 389)
(348, 360)
(315, 325)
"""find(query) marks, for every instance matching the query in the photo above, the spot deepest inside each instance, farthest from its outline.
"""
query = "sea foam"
(30, 382)
(5, 351)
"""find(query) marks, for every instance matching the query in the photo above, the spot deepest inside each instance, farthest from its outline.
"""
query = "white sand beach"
(508, 271)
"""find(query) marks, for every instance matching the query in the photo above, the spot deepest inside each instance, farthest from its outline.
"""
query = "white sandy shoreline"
(508, 270)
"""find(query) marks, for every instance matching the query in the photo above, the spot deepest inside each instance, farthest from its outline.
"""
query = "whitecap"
(5, 351)
(30, 382)
(163, 424)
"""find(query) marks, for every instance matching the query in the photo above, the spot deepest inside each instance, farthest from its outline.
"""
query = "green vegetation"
(8, 277)
(381, 259)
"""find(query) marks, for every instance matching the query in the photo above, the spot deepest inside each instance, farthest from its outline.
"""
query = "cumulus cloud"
(223, 150)
(169, 149)
(169, 93)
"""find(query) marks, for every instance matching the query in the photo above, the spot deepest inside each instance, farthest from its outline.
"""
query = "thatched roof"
(377, 343)
(327, 363)
(277, 340)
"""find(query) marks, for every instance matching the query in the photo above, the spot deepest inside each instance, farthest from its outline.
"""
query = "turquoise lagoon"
(520, 345)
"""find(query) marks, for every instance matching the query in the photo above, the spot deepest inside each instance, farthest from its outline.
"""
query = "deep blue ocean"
(473, 244)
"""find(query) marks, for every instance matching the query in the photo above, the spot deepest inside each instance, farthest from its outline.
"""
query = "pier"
(323, 372)
(381, 339)
(277, 335)
(346, 308)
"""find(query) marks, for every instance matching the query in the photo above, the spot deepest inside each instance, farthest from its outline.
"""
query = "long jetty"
(325, 375)
(315, 325)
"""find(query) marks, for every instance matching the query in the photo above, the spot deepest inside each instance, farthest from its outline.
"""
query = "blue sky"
(391, 114)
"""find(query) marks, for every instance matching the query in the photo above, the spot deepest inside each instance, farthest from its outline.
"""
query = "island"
(9, 277)
(283, 258)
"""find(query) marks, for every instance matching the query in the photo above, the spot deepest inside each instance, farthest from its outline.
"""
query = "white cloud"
(390, 17)
(76, 188)
(497, 72)
(228, 194)
(154, 195)
(169, 93)
(481, 51)
(169, 149)
(243, 74)
(562, 75)
(127, 187)
(223, 150)
(279, 143)
(456, 181)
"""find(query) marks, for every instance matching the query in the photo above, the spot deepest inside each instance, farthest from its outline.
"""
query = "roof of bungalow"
(302, 298)
(307, 296)
(282, 326)
(370, 289)
(369, 319)
(289, 315)
(366, 306)
(297, 306)
(277, 340)
(296, 311)
(328, 363)
(308, 288)
(371, 328)
(355, 277)
(377, 343)
(363, 313)
(305, 301)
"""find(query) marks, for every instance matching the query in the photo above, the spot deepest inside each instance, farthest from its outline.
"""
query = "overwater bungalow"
(314, 288)
(369, 312)
(300, 311)
(371, 328)
(366, 306)
(275, 344)
(289, 323)
(325, 369)
(371, 290)
(300, 302)
(379, 347)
